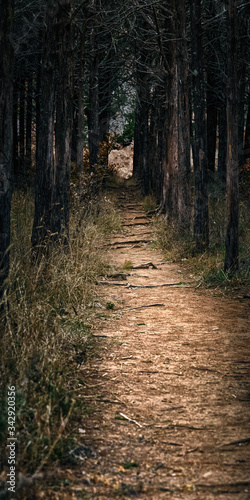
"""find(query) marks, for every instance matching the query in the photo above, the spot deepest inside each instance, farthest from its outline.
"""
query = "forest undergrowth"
(208, 267)
(46, 327)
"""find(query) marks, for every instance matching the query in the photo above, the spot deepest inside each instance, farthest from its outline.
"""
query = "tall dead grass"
(208, 267)
(45, 327)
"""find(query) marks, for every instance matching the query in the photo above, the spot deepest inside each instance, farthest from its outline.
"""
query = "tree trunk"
(184, 177)
(211, 124)
(80, 116)
(176, 182)
(64, 123)
(201, 224)
(171, 163)
(93, 117)
(232, 235)
(22, 129)
(15, 129)
(140, 160)
(222, 154)
(6, 136)
(247, 136)
(45, 133)
(212, 76)
(29, 115)
(38, 104)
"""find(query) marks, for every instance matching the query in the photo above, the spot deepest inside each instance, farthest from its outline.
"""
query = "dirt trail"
(178, 370)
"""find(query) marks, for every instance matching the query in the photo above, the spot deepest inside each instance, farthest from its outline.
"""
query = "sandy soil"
(170, 392)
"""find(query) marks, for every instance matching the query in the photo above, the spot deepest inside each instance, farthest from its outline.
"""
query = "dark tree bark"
(211, 123)
(247, 136)
(153, 148)
(105, 77)
(15, 131)
(38, 105)
(243, 75)
(184, 178)
(78, 101)
(201, 223)
(22, 128)
(64, 122)
(170, 163)
(29, 116)
(176, 166)
(45, 132)
(140, 160)
(232, 235)
(93, 115)
(6, 135)
(222, 154)
(212, 86)
(80, 115)
(53, 174)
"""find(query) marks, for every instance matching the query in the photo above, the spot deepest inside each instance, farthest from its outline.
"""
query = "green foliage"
(128, 133)
(128, 265)
(110, 305)
(149, 203)
(129, 465)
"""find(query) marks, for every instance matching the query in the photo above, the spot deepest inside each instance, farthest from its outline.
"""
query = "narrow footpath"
(170, 392)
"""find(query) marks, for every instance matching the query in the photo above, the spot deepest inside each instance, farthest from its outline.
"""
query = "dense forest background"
(174, 75)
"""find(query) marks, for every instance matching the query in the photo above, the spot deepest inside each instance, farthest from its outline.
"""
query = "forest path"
(170, 393)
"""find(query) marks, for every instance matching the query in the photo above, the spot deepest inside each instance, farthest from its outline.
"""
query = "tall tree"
(45, 142)
(176, 165)
(201, 224)
(6, 134)
(93, 112)
(232, 235)
(64, 121)
(53, 171)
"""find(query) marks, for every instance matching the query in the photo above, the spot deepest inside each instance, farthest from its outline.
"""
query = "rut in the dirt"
(171, 391)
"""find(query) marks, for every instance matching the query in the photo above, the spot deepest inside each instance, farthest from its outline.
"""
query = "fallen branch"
(142, 307)
(130, 420)
(137, 224)
(145, 266)
(223, 485)
(172, 408)
(122, 276)
(240, 441)
(206, 369)
(130, 285)
(128, 242)
(112, 283)
(111, 402)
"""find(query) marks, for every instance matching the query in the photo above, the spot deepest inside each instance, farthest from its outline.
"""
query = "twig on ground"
(131, 285)
(142, 307)
(145, 266)
(206, 369)
(239, 441)
(137, 224)
(128, 242)
(130, 420)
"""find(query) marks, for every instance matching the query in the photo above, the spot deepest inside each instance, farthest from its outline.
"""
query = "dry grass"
(208, 267)
(45, 328)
